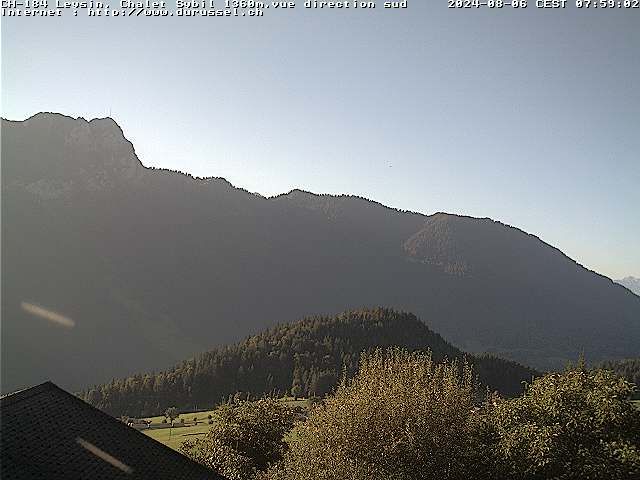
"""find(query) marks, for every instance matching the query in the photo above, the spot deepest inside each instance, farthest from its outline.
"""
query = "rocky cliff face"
(62, 157)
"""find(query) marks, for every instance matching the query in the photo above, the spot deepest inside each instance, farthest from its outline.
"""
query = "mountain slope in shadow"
(154, 266)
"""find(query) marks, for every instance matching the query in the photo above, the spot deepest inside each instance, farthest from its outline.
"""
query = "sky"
(527, 116)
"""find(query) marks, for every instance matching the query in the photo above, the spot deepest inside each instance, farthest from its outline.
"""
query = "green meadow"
(174, 436)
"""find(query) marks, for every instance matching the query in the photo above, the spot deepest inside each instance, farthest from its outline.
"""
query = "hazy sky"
(528, 116)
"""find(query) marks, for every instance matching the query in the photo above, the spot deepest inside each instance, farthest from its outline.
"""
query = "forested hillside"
(304, 358)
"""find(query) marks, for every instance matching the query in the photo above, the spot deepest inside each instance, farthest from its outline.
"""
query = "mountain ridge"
(304, 192)
(150, 259)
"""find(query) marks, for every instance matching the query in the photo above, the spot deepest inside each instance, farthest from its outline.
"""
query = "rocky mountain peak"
(89, 155)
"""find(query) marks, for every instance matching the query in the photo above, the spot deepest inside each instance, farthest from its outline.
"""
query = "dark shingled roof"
(47, 433)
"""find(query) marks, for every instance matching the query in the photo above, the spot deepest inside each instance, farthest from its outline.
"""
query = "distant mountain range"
(632, 283)
(152, 266)
(305, 358)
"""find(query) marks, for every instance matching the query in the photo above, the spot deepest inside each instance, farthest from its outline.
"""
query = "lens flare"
(49, 315)
(98, 452)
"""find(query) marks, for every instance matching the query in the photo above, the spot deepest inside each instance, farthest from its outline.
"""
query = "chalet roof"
(47, 433)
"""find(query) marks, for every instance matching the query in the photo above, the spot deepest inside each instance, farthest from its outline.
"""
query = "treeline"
(306, 358)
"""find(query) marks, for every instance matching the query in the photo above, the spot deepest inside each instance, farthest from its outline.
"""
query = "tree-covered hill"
(304, 358)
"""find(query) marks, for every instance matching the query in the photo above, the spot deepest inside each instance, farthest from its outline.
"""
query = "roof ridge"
(172, 455)
(14, 397)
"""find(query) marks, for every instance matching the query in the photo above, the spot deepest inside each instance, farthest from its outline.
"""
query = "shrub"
(245, 440)
(311, 402)
(573, 425)
(401, 417)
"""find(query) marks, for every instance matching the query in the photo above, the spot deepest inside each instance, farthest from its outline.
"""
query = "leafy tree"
(628, 368)
(296, 389)
(573, 425)
(246, 439)
(171, 414)
(403, 416)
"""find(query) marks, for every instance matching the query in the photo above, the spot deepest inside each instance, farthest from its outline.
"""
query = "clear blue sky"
(531, 117)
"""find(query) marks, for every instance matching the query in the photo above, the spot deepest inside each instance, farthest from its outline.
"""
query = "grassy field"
(173, 437)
